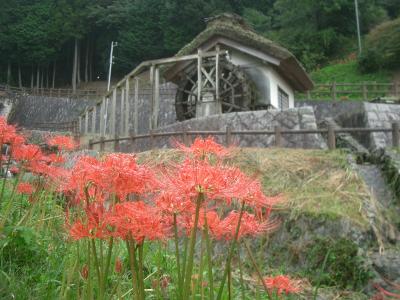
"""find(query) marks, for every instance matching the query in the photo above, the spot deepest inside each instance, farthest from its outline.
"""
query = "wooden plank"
(113, 112)
(217, 75)
(199, 63)
(102, 112)
(156, 97)
(151, 98)
(86, 122)
(94, 115)
(122, 113)
(135, 108)
(127, 107)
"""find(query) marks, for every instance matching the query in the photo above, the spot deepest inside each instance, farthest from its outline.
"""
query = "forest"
(47, 43)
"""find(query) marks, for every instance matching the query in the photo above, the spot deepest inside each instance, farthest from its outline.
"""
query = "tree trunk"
(32, 77)
(9, 73)
(19, 76)
(91, 61)
(47, 76)
(74, 66)
(87, 60)
(79, 64)
(38, 78)
(41, 81)
(54, 73)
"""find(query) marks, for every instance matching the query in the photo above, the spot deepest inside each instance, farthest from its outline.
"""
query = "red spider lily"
(25, 188)
(27, 153)
(93, 226)
(139, 221)
(216, 182)
(8, 134)
(14, 170)
(283, 283)
(116, 175)
(202, 148)
(249, 226)
(62, 142)
(171, 203)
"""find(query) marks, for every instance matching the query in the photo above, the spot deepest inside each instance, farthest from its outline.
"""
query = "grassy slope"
(348, 73)
(313, 181)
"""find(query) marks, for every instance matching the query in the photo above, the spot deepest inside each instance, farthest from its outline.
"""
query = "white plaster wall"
(260, 72)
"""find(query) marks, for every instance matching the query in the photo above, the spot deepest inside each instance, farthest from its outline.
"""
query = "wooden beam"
(127, 107)
(122, 113)
(113, 112)
(156, 97)
(94, 114)
(199, 63)
(152, 98)
(86, 122)
(135, 108)
(102, 111)
(170, 60)
(217, 71)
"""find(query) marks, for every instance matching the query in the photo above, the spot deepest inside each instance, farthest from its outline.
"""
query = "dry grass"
(316, 182)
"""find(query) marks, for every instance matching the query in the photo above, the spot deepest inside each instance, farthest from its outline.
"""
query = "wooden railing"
(59, 93)
(365, 91)
(330, 132)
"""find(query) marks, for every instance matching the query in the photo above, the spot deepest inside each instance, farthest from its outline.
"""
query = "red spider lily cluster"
(283, 284)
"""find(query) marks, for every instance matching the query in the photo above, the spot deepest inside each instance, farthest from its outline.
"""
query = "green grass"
(348, 73)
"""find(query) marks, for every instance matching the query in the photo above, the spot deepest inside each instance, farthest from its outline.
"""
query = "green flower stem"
(140, 273)
(178, 264)
(130, 244)
(259, 274)
(97, 266)
(241, 275)
(230, 254)
(192, 243)
(108, 261)
(209, 261)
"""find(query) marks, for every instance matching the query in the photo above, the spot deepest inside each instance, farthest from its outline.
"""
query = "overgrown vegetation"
(382, 48)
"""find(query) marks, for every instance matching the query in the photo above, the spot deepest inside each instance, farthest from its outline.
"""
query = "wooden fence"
(365, 91)
(49, 92)
(330, 132)
(72, 127)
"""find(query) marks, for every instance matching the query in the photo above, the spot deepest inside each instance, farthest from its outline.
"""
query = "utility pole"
(113, 44)
(358, 27)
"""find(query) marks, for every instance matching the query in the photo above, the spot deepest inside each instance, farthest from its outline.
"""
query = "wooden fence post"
(278, 136)
(185, 138)
(331, 137)
(90, 146)
(365, 91)
(334, 91)
(116, 143)
(102, 144)
(228, 136)
(395, 134)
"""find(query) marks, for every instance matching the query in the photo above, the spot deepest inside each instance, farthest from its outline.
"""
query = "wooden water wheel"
(236, 91)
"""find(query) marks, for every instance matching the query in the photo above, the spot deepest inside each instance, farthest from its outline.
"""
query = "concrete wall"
(295, 118)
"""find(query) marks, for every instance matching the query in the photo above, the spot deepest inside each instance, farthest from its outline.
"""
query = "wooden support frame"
(136, 108)
(151, 122)
(113, 113)
(86, 122)
(122, 113)
(199, 74)
(102, 112)
(156, 93)
(94, 116)
(127, 107)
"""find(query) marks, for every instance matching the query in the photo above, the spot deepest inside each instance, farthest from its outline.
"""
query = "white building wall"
(262, 72)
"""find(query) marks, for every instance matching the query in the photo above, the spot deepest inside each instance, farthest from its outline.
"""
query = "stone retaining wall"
(296, 118)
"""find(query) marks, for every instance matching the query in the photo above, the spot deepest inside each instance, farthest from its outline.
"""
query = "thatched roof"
(235, 28)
